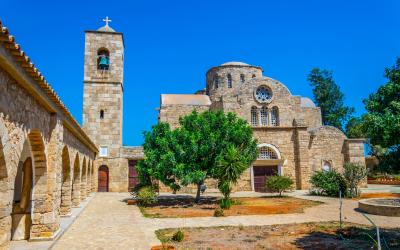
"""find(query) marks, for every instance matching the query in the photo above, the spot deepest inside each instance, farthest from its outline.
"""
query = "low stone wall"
(386, 207)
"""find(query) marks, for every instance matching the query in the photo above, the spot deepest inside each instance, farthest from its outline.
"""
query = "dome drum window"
(216, 82)
(229, 81)
(242, 79)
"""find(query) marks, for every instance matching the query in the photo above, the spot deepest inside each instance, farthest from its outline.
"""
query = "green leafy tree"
(279, 183)
(329, 98)
(354, 128)
(231, 164)
(206, 139)
(161, 151)
(382, 122)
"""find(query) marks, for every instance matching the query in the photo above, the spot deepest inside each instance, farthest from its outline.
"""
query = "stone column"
(354, 153)
(301, 139)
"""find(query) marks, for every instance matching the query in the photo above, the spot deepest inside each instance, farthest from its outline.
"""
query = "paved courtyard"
(108, 223)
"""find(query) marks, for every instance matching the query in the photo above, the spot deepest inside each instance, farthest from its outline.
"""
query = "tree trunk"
(198, 192)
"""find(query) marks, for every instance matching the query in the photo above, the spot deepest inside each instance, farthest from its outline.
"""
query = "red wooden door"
(103, 179)
(133, 175)
(261, 174)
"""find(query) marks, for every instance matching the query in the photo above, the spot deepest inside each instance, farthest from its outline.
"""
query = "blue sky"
(171, 44)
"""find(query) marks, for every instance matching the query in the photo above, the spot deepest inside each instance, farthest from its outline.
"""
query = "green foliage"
(225, 203)
(329, 98)
(206, 138)
(329, 183)
(231, 165)
(160, 162)
(354, 128)
(354, 174)
(382, 122)
(218, 212)
(146, 196)
(178, 236)
(197, 149)
(279, 183)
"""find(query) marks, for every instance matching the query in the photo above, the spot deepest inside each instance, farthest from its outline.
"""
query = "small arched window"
(242, 78)
(326, 166)
(102, 114)
(216, 82)
(264, 116)
(253, 76)
(275, 116)
(103, 59)
(267, 153)
(229, 81)
(254, 116)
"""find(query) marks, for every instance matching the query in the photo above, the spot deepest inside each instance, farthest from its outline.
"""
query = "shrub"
(354, 174)
(225, 203)
(146, 196)
(279, 183)
(329, 183)
(218, 212)
(178, 236)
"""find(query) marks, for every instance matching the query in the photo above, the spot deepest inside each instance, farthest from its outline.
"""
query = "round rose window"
(263, 94)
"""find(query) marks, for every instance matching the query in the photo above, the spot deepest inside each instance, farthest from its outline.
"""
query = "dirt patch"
(184, 207)
(325, 235)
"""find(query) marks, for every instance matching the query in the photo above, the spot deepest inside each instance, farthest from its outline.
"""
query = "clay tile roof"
(175, 99)
(8, 42)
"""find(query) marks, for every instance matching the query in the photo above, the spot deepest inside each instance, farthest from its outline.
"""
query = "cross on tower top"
(107, 20)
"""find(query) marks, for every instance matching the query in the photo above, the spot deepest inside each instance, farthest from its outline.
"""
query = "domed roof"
(307, 102)
(106, 28)
(235, 64)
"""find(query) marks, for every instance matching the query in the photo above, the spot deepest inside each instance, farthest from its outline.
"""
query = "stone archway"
(89, 178)
(83, 179)
(103, 179)
(92, 179)
(5, 203)
(268, 163)
(66, 199)
(21, 210)
(31, 200)
(76, 182)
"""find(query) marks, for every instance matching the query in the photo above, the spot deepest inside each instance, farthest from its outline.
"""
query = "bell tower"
(103, 91)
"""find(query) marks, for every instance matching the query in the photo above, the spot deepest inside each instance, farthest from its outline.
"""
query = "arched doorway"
(66, 199)
(268, 163)
(103, 179)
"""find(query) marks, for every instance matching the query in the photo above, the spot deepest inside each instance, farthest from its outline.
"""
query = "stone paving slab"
(108, 223)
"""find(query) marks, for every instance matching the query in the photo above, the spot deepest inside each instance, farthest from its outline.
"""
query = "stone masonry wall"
(29, 130)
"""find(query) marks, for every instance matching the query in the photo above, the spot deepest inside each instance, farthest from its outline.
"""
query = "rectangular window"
(103, 151)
